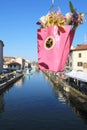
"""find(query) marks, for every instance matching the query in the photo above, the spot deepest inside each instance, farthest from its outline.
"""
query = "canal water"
(34, 103)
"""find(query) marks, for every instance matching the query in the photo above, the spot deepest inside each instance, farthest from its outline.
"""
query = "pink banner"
(53, 47)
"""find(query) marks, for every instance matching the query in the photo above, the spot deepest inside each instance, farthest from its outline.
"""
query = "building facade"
(11, 63)
(1, 55)
(14, 66)
(78, 58)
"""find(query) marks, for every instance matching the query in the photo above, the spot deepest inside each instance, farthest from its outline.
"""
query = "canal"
(34, 103)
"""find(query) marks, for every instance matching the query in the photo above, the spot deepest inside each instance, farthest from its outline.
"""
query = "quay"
(8, 79)
(76, 97)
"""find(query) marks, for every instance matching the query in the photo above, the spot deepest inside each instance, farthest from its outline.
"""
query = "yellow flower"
(60, 21)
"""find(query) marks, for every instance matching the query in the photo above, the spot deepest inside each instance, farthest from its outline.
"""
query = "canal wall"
(75, 97)
(5, 83)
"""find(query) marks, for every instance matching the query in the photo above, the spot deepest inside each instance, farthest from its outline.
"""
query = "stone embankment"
(8, 79)
(75, 97)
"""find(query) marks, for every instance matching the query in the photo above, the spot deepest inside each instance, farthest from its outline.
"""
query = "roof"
(79, 75)
(14, 63)
(80, 47)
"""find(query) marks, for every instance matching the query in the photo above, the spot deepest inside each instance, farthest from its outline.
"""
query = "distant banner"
(53, 47)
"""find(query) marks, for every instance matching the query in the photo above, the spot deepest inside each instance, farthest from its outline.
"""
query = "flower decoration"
(56, 18)
(73, 18)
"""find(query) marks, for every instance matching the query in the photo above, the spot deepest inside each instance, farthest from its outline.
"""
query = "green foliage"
(71, 7)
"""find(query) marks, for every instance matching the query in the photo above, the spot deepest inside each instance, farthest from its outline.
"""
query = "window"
(14, 66)
(79, 64)
(79, 55)
(85, 65)
(70, 64)
(10, 65)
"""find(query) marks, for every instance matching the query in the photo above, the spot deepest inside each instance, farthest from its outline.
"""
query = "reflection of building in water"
(1, 103)
(61, 98)
(57, 90)
(19, 82)
(60, 94)
(65, 98)
(27, 77)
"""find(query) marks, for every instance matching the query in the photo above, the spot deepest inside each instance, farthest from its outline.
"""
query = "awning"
(79, 75)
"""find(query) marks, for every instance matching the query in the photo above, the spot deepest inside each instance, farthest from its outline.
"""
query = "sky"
(18, 28)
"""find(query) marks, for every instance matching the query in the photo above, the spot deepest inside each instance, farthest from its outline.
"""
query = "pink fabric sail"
(53, 47)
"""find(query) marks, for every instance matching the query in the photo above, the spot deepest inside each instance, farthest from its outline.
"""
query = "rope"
(53, 7)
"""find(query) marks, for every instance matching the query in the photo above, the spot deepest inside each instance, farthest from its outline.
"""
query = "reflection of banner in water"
(54, 47)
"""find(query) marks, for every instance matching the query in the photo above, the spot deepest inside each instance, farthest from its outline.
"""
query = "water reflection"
(20, 82)
(57, 90)
(64, 97)
(27, 77)
(2, 104)
(39, 106)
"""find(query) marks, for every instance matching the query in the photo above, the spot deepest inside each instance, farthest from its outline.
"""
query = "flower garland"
(56, 18)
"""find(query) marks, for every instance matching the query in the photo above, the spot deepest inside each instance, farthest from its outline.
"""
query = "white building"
(14, 66)
(12, 61)
(1, 55)
(78, 58)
